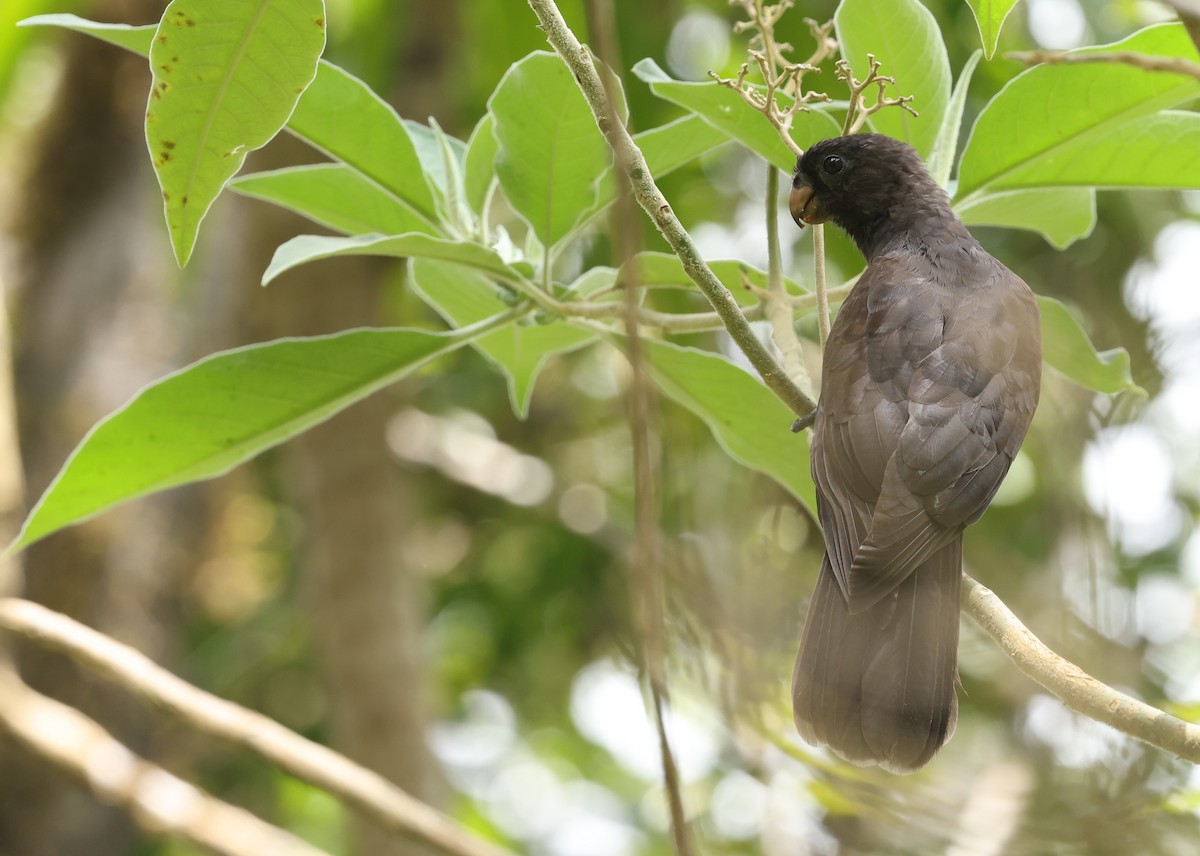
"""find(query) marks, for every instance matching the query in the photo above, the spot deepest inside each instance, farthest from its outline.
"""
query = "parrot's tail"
(877, 687)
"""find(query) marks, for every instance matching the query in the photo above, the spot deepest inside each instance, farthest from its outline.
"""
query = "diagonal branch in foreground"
(158, 802)
(1076, 688)
(368, 792)
(579, 60)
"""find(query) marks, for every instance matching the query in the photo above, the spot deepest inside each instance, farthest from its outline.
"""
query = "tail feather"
(877, 686)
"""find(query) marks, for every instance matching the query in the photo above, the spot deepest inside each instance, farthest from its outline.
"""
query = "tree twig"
(652, 201)
(858, 111)
(768, 55)
(389, 806)
(1076, 688)
(1170, 64)
(645, 562)
(158, 802)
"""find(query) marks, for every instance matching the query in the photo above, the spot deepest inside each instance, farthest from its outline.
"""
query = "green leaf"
(333, 195)
(1050, 108)
(463, 296)
(479, 167)
(676, 143)
(1062, 215)
(337, 114)
(227, 74)
(550, 150)
(1162, 150)
(941, 161)
(439, 153)
(666, 148)
(725, 110)
(904, 36)
(211, 416)
(135, 39)
(990, 16)
(749, 422)
(665, 269)
(343, 117)
(593, 280)
(306, 248)
(1066, 347)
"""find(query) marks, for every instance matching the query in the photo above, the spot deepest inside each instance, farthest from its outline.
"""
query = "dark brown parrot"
(931, 375)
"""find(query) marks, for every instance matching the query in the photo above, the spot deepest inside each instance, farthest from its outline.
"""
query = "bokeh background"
(441, 590)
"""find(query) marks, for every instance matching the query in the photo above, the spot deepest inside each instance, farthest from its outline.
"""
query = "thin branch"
(158, 802)
(1076, 688)
(776, 300)
(652, 201)
(859, 111)
(645, 563)
(1171, 64)
(368, 792)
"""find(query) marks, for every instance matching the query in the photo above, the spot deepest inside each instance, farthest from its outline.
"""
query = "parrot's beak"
(803, 206)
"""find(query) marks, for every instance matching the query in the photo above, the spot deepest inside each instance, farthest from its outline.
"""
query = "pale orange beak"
(804, 206)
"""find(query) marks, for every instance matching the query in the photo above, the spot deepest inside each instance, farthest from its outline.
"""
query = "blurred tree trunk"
(366, 601)
(93, 317)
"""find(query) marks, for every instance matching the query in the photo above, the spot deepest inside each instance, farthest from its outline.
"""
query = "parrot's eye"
(833, 165)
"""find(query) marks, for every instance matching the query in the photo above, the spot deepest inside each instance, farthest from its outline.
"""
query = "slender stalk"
(778, 307)
(646, 564)
(1168, 64)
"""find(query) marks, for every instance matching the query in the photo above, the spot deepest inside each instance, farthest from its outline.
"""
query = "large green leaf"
(550, 151)
(479, 167)
(1067, 348)
(905, 37)
(464, 295)
(941, 160)
(435, 149)
(213, 415)
(1062, 215)
(990, 16)
(1052, 108)
(333, 195)
(666, 148)
(725, 110)
(749, 422)
(670, 146)
(1162, 150)
(338, 114)
(343, 117)
(227, 74)
(306, 248)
